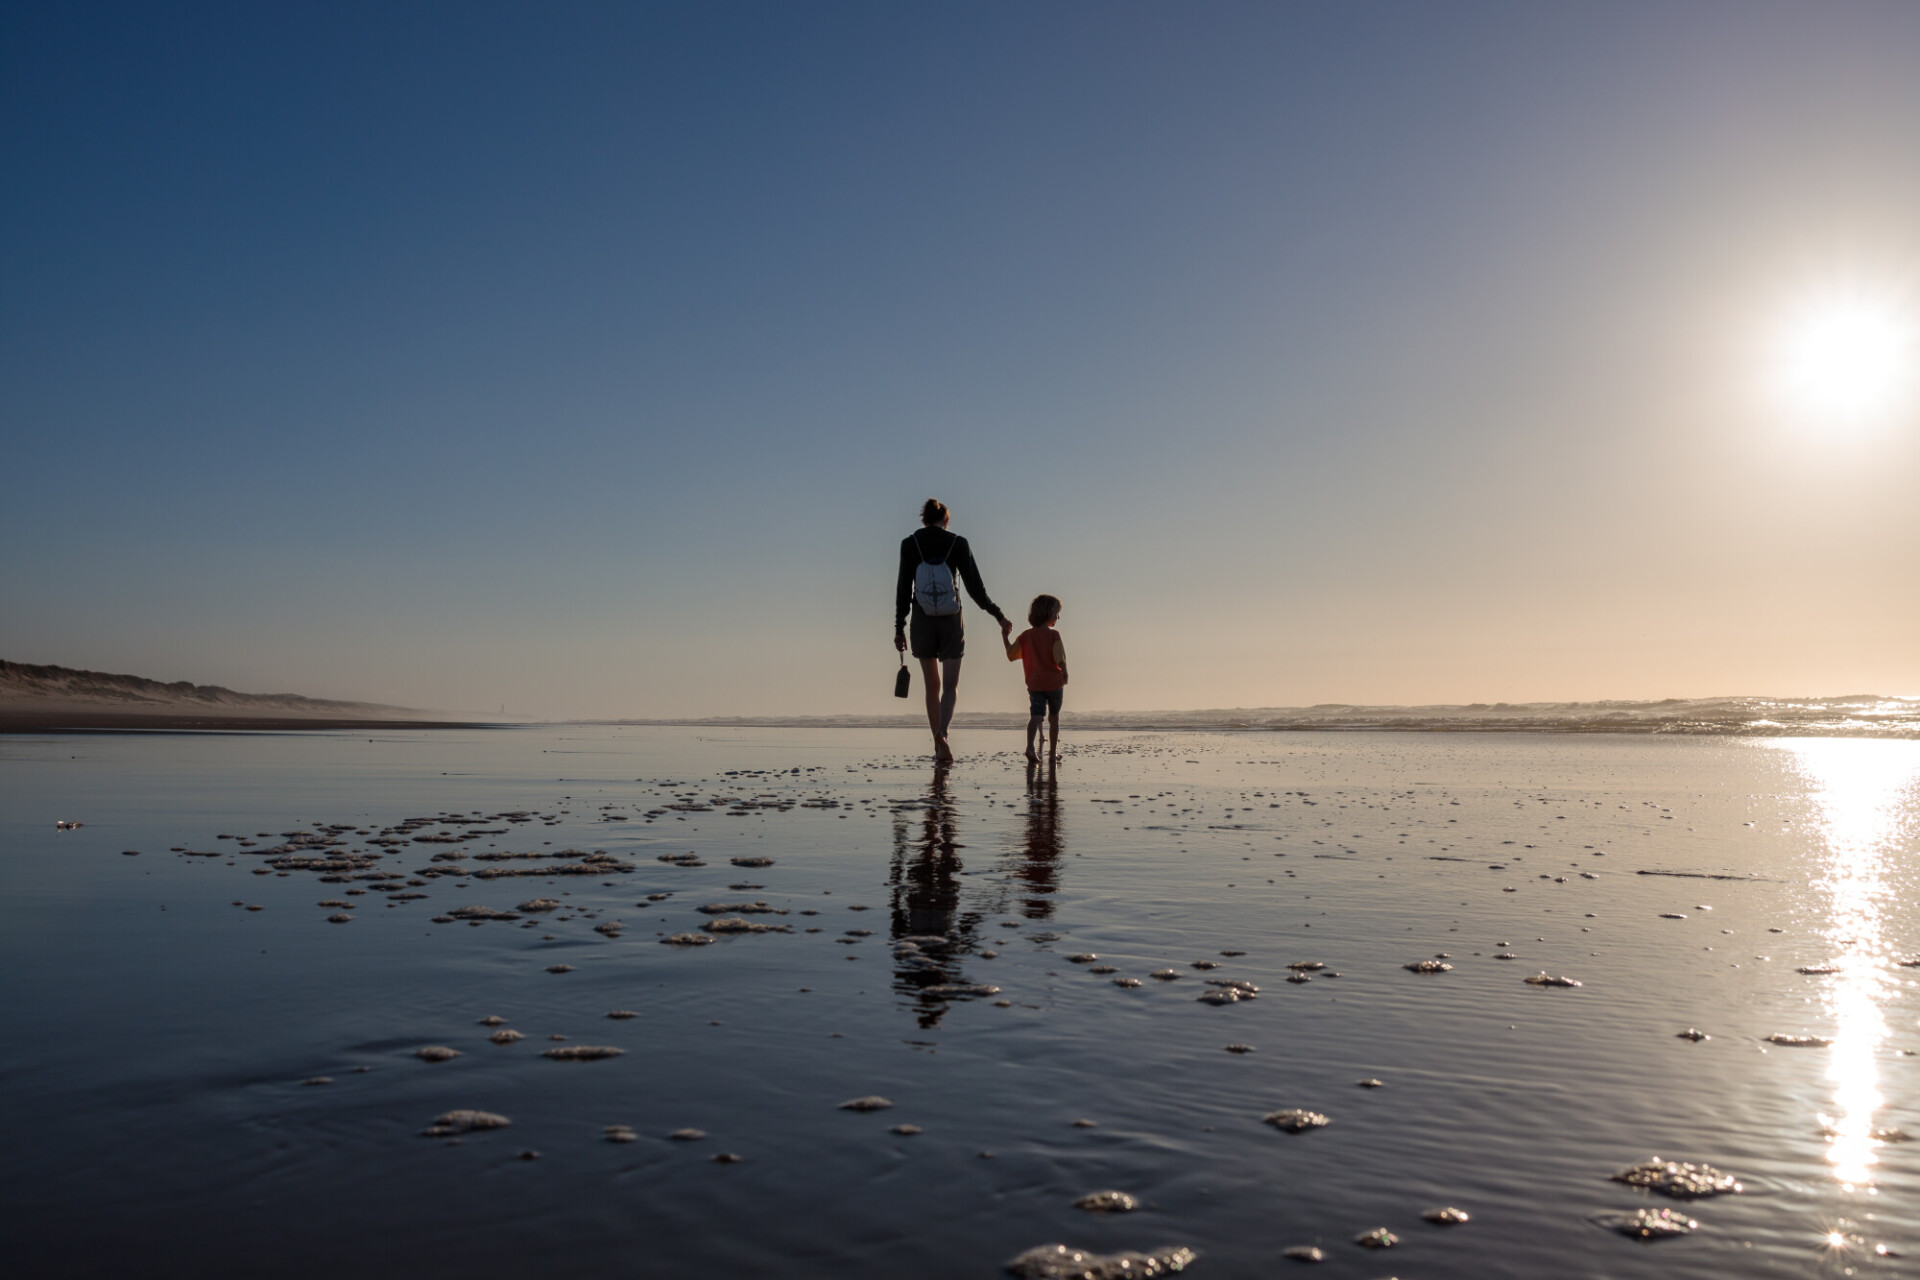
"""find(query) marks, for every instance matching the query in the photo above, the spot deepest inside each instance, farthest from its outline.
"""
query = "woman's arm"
(903, 590)
(961, 559)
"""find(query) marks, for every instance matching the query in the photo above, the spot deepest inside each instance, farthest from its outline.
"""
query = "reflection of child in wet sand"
(1044, 654)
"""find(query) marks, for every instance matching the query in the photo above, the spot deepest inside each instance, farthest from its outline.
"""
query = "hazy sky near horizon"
(592, 359)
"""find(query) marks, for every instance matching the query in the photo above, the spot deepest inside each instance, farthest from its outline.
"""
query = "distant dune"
(40, 697)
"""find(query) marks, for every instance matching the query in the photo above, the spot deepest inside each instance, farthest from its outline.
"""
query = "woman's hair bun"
(933, 512)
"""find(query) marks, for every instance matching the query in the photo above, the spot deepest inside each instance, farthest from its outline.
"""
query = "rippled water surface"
(159, 1034)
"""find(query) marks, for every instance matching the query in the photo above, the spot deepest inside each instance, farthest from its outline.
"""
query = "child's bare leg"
(1033, 727)
(1053, 733)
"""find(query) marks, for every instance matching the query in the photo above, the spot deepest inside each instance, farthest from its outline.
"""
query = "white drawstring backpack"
(933, 585)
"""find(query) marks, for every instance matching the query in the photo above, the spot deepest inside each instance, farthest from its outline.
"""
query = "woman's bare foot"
(942, 752)
(1033, 757)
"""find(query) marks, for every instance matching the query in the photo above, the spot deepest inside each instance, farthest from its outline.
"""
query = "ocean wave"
(1854, 715)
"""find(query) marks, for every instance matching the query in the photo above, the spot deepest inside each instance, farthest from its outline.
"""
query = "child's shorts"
(1042, 701)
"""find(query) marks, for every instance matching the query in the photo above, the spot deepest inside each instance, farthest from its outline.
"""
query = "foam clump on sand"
(1649, 1224)
(583, 1053)
(1107, 1202)
(1058, 1262)
(481, 913)
(593, 864)
(740, 924)
(451, 1122)
(1295, 1120)
(1680, 1181)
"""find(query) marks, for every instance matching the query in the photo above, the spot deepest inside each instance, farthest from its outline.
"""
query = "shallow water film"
(794, 1002)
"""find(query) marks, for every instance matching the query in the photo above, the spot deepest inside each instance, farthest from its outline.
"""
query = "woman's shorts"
(1041, 701)
(942, 638)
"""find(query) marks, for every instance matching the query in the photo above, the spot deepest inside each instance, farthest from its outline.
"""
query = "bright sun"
(1845, 357)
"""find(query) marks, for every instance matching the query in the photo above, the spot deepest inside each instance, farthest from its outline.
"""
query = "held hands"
(1006, 630)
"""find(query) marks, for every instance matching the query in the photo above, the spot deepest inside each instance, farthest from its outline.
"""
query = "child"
(1045, 656)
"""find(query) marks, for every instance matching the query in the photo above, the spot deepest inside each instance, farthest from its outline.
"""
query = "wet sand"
(1724, 1092)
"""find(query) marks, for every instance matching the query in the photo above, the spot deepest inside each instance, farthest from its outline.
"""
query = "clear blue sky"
(592, 359)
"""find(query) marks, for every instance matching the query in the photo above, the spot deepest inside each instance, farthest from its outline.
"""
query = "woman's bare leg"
(949, 690)
(930, 682)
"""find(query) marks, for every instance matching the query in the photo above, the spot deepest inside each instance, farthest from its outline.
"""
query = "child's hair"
(933, 512)
(1043, 610)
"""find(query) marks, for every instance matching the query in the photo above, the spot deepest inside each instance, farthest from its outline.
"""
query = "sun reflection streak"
(1861, 792)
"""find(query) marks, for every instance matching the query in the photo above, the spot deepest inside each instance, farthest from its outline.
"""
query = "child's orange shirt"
(1035, 647)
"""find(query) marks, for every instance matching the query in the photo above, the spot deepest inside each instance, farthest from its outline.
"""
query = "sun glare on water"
(1846, 358)
(1866, 796)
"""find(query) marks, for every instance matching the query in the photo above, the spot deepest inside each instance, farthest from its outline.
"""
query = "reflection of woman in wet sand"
(930, 562)
(926, 900)
(926, 866)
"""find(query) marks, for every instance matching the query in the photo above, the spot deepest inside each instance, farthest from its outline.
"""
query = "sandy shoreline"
(42, 699)
(106, 720)
(47, 699)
